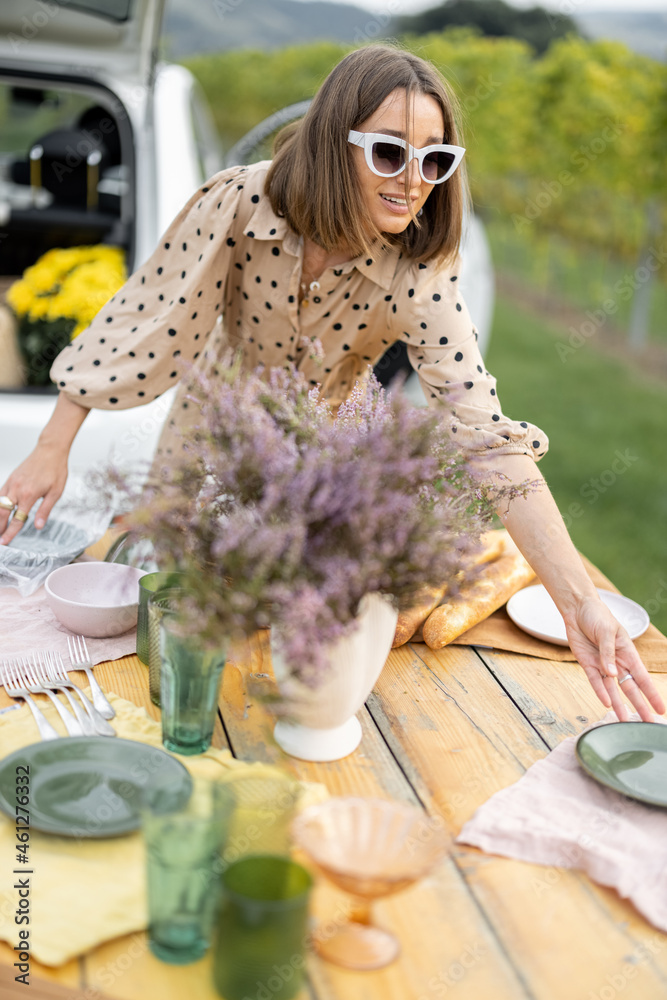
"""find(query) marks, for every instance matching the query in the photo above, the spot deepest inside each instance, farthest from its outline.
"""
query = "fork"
(80, 660)
(13, 686)
(32, 681)
(44, 678)
(55, 669)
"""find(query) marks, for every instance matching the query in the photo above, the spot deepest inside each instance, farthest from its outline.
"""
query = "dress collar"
(379, 265)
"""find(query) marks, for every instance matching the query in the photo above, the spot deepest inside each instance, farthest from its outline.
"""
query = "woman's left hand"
(601, 646)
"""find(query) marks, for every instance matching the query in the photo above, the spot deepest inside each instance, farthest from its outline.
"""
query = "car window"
(27, 113)
(63, 182)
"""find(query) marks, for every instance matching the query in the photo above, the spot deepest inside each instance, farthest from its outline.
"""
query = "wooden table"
(443, 730)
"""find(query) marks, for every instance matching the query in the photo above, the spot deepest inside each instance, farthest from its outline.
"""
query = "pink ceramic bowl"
(96, 599)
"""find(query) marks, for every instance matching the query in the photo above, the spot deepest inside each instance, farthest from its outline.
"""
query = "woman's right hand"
(44, 473)
(41, 476)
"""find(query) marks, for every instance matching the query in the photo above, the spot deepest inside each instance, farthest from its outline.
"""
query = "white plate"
(533, 610)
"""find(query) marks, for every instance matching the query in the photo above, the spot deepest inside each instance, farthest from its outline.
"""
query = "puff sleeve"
(430, 316)
(163, 315)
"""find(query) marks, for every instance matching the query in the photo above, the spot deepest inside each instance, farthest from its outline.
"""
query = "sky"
(572, 7)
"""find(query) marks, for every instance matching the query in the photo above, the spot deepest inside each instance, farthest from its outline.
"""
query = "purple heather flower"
(280, 513)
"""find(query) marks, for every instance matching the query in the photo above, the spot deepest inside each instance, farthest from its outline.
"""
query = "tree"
(496, 18)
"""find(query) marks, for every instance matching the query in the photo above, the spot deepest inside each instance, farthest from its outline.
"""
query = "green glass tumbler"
(183, 866)
(262, 928)
(189, 686)
(262, 802)
(149, 584)
(162, 601)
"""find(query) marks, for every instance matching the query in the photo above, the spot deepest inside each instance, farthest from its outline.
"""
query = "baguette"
(477, 601)
(409, 621)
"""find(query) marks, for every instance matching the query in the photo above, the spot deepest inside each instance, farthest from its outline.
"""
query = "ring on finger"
(20, 515)
(7, 503)
(628, 677)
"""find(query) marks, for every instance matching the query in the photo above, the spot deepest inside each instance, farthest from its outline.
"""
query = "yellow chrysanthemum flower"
(40, 307)
(20, 297)
(70, 283)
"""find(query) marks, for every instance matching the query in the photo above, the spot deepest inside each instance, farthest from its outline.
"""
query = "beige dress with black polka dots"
(225, 278)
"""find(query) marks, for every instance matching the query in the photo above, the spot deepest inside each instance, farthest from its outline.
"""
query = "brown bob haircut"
(312, 181)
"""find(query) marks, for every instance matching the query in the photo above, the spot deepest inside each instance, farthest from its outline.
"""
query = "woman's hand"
(42, 475)
(44, 472)
(611, 662)
(602, 646)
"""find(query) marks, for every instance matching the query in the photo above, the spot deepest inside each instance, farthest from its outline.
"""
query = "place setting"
(294, 608)
(216, 855)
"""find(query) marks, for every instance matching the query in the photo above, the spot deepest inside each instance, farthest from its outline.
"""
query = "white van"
(100, 142)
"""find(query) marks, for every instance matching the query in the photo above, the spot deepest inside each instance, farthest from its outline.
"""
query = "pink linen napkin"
(27, 624)
(557, 815)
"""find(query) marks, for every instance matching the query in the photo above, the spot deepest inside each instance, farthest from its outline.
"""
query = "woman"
(335, 241)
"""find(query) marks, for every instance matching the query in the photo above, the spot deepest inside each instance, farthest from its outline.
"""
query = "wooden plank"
(438, 924)
(68, 975)
(567, 695)
(444, 708)
(39, 986)
(450, 727)
(445, 943)
(126, 969)
(567, 943)
(249, 726)
(555, 696)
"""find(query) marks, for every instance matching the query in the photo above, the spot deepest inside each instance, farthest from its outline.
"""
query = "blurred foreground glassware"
(261, 928)
(189, 684)
(183, 844)
(149, 584)
(262, 801)
(132, 551)
(369, 848)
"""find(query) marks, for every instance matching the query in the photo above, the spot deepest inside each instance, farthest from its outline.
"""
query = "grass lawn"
(607, 462)
(584, 278)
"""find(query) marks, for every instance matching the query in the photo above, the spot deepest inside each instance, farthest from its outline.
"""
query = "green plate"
(89, 786)
(630, 757)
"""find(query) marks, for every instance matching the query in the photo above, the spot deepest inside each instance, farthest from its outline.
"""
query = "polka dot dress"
(226, 275)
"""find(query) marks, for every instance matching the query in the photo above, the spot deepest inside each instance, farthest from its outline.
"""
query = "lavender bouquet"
(280, 513)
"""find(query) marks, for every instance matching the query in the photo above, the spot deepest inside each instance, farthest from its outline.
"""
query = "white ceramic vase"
(322, 722)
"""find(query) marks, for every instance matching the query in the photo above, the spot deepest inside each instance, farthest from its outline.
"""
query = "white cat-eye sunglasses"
(386, 156)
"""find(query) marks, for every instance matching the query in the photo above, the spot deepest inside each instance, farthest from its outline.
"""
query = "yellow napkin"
(85, 892)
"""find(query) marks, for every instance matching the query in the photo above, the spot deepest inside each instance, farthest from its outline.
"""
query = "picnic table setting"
(303, 722)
